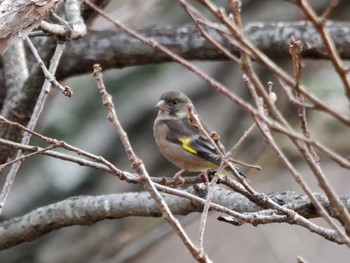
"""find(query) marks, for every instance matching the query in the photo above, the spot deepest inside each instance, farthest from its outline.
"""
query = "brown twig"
(194, 15)
(295, 49)
(329, 10)
(243, 137)
(151, 42)
(292, 98)
(195, 121)
(26, 156)
(80, 161)
(286, 82)
(67, 91)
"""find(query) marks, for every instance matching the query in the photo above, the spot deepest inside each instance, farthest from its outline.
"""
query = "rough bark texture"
(19, 17)
(87, 210)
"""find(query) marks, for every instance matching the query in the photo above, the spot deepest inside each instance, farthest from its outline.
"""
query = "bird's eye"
(175, 102)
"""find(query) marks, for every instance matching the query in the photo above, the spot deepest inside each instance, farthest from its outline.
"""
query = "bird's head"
(173, 104)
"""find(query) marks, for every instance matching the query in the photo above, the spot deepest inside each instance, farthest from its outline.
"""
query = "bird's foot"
(205, 176)
(178, 176)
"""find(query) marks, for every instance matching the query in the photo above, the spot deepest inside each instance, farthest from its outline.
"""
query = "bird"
(181, 141)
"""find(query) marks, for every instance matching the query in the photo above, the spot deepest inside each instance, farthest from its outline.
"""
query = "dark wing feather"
(181, 131)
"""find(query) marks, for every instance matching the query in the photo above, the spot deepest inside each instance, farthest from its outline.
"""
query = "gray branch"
(73, 28)
(87, 210)
(114, 49)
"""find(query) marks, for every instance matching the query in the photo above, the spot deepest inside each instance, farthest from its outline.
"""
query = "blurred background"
(82, 121)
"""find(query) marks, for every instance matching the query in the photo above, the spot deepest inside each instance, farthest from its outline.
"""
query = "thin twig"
(293, 100)
(285, 80)
(195, 121)
(26, 156)
(194, 16)
(243, 137)
(329, 10)
(67, 91)
(295, 49)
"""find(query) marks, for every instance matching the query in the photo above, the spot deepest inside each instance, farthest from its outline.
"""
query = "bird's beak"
(161, 106)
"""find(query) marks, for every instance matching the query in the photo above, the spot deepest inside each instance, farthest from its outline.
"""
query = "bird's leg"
(178, 175)
(205, 176)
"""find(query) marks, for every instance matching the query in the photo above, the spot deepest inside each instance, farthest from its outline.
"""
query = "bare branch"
(295, 50)
(65, 90)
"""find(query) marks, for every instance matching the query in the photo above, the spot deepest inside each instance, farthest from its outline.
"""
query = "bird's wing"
(185, 134)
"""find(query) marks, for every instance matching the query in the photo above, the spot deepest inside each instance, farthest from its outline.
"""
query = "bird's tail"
(232, 172)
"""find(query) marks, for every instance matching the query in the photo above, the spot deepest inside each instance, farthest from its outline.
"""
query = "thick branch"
(116, 49)
(87, 210)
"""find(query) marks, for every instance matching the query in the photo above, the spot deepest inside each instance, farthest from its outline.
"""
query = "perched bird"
(181, 142)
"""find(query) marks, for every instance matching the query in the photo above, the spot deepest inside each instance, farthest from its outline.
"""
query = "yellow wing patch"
(186, 145)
